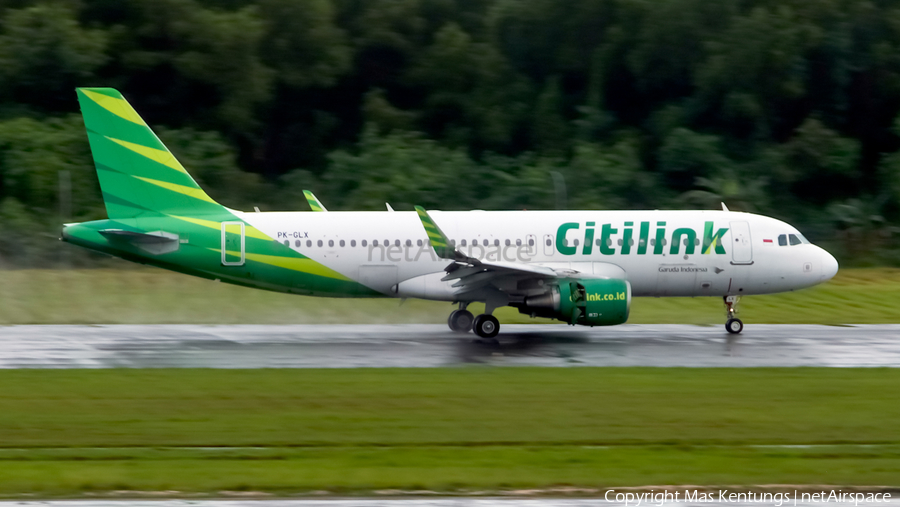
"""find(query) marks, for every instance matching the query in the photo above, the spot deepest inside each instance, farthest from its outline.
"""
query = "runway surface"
(349, 346)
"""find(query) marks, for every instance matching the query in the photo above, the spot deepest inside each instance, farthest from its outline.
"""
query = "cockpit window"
(802, 239)
(794, 239)
(782, 240)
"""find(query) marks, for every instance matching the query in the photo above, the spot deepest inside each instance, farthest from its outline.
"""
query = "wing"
(314, 203)
(474, 275)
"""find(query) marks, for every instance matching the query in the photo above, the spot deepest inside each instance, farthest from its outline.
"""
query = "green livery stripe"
(308, 266)
(163, 157)
(314, 203)
(132, 163)
(115, 105)
(249, 230)
(300, 265)
(196, 193)
(145, 188)
(439, 241)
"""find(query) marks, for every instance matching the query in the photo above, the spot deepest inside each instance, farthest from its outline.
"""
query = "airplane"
(580, 267)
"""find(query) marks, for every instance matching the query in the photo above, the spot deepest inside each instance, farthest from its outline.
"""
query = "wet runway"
(420, 345)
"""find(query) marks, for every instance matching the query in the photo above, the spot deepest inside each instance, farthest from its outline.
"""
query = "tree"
(44, 54)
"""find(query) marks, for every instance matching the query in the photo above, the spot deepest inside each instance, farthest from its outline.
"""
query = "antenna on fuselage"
(724, 208)
(389, 208)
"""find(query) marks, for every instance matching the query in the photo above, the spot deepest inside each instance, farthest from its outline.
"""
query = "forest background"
(787, 108)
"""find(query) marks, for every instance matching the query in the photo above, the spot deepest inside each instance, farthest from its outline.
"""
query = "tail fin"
(138, 175)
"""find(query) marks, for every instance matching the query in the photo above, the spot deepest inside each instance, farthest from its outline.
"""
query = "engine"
(588, 302)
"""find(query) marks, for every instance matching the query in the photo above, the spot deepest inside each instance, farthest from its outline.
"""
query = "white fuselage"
(389, 251)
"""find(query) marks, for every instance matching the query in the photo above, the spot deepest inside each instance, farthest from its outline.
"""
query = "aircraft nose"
(829, 266)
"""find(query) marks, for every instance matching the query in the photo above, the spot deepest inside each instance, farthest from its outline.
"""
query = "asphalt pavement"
(421, 345)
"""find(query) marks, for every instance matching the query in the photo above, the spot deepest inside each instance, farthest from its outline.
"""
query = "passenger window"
(782, 240)
(598, 242)
(364, 242)
(408, 242)
(352, 242)
(462, 243)
(342, 243)
(518, 242)
(297, 243)
(330, 242)
(794, 239)
(549, 243)
(309, 242)
(319, 242)
(486, 243)
(507, 243)
(530, 242)
(374, 242)
(576, 242)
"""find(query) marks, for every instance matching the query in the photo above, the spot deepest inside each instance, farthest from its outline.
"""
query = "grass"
(153, 296)
(68, 432)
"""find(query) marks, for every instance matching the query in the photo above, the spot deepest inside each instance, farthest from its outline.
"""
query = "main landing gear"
(462, 321)
(733, 324)
(486, 326)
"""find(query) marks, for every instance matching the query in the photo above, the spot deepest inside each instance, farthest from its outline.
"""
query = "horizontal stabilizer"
(156, 243)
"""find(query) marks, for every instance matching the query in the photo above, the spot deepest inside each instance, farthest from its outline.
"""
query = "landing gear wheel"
(734, 326)
(460, 321)
(486, 326)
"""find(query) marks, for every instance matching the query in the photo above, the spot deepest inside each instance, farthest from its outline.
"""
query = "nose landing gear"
(733, 324)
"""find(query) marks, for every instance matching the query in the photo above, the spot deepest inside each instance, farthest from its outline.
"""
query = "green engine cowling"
(587, 302)
(603, 302)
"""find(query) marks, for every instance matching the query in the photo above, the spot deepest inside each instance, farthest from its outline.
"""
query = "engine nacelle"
(588, 302)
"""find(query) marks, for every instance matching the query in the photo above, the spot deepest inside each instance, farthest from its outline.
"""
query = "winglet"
(314, 203)
(438, 239)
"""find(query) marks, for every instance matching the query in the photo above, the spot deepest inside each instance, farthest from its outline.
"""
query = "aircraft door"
(548, 245)
(742, 249)
(233, 243)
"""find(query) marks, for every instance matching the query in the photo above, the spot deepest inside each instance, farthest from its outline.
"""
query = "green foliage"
(45, 53)
(782, 108)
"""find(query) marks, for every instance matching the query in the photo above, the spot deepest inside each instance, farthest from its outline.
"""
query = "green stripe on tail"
(138, 175)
